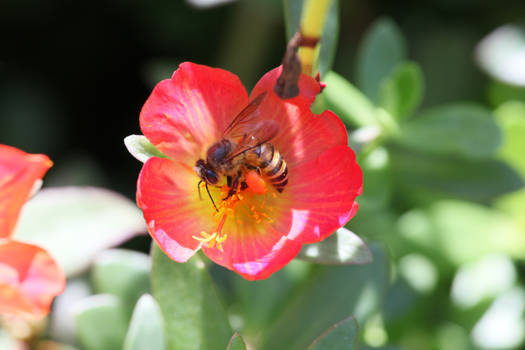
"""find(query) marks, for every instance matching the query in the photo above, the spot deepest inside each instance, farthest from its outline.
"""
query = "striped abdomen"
(271, 163)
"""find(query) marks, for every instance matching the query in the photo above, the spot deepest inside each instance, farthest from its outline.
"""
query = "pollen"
(238, 210)
(256, 183)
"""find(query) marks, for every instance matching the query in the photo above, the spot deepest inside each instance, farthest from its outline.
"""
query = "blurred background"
(74, 76)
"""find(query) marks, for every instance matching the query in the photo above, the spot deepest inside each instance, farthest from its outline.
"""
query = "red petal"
(18, 173)
(29, 279)
(303, 135)
(320, 194)
(254, 253)
(168, 196)
(184, 115)
(188, 113)
(308, 87)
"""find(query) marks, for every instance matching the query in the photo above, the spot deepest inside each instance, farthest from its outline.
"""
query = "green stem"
(313, 17)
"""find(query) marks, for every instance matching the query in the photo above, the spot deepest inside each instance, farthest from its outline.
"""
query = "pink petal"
(320, 195)
(18, 173)
(254, 253)
(303, 135)
(186, 114)
(29, 279)
(168, 196)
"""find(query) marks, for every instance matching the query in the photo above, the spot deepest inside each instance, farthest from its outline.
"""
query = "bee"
(244, 146)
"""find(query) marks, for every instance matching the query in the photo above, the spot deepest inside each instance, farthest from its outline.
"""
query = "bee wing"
(255, 135)
(246, 117)
(247, 130)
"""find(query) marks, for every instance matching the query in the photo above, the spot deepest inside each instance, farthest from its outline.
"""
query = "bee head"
(206, 173)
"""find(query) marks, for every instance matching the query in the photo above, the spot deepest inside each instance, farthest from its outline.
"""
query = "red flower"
(29, 277)
(258, 230)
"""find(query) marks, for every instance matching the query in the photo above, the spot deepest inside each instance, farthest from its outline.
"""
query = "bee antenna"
(211, 198)
(199, 189)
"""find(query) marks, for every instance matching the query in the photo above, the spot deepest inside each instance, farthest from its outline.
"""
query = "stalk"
(313, 18)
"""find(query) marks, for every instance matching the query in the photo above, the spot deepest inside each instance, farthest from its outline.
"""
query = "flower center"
(243, 208)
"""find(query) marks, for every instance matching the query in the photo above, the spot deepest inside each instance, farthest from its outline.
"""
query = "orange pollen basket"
(246, 208)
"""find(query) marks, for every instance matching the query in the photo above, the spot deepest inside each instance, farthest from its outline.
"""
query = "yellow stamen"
(220, 240)
(254, 208)
(215, 238)
(205, 237)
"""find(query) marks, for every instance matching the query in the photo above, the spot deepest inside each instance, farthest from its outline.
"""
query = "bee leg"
(211, 198)
(244, 186)
(233, 187)
(229, 181)
(253, 167)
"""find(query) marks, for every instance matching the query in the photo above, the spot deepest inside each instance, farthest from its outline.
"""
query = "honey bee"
(244, 146)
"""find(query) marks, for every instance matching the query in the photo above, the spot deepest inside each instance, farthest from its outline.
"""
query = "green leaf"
(140, 148)
(348, 102)
(193, 314)
(328, 43)
(330, 294)
(381, 50)
(375, 224)
(146, 330)
(505, 311)
(343, 335)
(62, 318)
(100, 322)
(76, 223)
(459, 232)
(499, 93)
(292, 16)
(511, 118)
(236, 343)
(482, 279)
(52, 345)
(377, 179)
(461, 129)
(343, 247)
(422, 177)
(401, 92)
(271, 294)
(500, 54)
(513, 204)
(123, 273)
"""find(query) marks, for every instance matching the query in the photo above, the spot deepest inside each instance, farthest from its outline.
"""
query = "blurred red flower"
(258, 230)
(29, 277)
